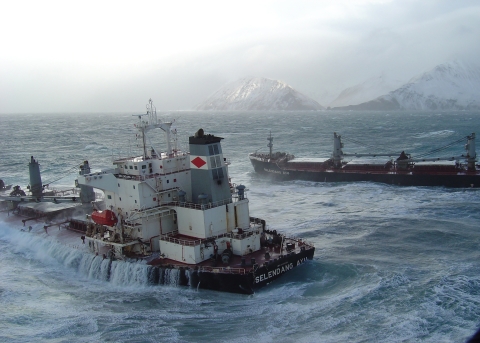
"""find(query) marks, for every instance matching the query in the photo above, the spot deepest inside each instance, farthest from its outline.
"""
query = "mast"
(470, 156)
(471, 153)
(87, 194)
(36, 187)
(337, 150)
(270, 143)
(152, 123)
(405, 159)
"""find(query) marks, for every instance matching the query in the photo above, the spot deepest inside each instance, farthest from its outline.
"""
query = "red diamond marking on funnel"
(198, 162)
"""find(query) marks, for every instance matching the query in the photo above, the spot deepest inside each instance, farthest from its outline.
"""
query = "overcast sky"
(112, 56)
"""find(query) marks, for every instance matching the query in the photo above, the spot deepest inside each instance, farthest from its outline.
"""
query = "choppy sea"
(393, 264)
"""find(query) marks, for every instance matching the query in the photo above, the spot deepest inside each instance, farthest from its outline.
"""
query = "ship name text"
(276, 171)
(273, 273)
(279, 270)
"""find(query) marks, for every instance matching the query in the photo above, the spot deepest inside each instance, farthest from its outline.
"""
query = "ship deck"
(352, 168)
(238, 264)
(68, 234)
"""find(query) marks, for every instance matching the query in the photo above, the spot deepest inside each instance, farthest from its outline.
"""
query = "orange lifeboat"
(106, 217)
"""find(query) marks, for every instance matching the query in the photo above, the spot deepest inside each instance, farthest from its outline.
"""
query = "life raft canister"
(106, 217)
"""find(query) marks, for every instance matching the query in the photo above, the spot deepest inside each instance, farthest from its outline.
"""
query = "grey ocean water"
(393, 264)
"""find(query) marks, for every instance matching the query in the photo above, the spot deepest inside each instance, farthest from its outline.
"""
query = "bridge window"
(215, 162)
(217, 173)
(213, 149)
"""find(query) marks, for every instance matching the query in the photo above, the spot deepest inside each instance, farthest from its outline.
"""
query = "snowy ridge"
(366, 91)
(453, 85)
(258, 94)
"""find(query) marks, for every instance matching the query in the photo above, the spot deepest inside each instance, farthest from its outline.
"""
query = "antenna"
(151, 112)
(153, 123)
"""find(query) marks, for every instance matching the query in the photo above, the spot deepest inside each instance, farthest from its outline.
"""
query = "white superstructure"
(177, 204)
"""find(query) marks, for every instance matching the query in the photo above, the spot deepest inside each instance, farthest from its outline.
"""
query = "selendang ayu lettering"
(276, 171)
(279, 270)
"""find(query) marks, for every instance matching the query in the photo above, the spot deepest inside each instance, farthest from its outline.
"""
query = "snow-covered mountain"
(258, 94)
(453, 85)
(366, 91)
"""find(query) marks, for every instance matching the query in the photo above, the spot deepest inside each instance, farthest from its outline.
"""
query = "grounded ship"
(176, 211)
(404, 170)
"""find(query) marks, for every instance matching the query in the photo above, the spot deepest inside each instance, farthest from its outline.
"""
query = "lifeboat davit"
(106, 217)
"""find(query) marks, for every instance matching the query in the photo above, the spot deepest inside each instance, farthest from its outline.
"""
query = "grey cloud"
(315, 54)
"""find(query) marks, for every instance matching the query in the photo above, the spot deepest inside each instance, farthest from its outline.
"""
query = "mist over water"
(392, 264)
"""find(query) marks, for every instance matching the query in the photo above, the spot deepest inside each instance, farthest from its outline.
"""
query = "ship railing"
(300, 241)
(103, 172)
(170, 237)
(158, 157)
(244, 234)
(140, 213)
(175, 171)
(185, 242)
(62, 191)
(197, 206)
(148, 176)
(276, 156)
(233, 187)
(262, 157)
(144, 212)
(124, 159)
